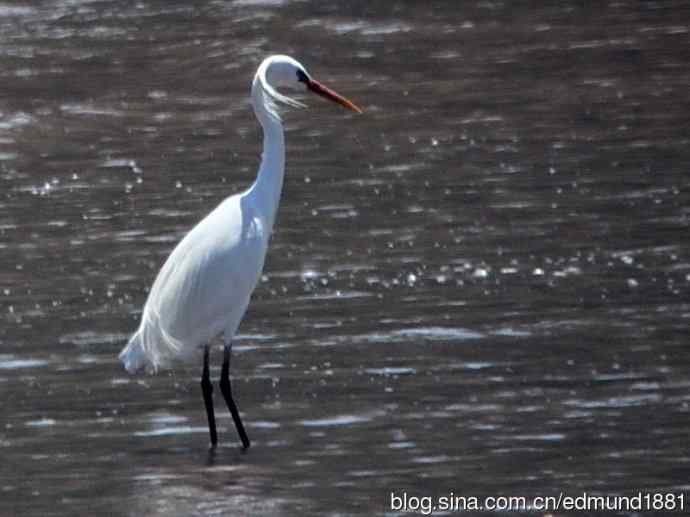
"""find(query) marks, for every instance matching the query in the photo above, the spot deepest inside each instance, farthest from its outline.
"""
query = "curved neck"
(269, 181)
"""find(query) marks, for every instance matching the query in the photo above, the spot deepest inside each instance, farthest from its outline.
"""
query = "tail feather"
(152, 347)
(133, 355)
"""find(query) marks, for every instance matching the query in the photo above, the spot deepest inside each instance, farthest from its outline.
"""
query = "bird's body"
(204, 287)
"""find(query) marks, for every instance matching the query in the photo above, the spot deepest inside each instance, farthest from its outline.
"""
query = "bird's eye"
(302, 77)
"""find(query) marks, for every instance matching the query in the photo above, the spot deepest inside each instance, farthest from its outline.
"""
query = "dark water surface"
(480, 286)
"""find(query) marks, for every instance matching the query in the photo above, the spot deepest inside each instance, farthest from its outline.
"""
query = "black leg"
(207, 390)
(227, 395)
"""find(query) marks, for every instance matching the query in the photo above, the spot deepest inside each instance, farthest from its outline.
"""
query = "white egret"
(204, 287)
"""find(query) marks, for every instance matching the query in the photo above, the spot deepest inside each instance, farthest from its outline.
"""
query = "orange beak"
(326, 92)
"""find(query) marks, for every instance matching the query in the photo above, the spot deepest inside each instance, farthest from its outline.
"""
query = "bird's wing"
(209, 276)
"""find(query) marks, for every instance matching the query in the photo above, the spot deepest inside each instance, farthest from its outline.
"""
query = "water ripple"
(336, 421)
(8, 363)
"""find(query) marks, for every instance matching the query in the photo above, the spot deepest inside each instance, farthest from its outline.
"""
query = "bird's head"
(283, 71)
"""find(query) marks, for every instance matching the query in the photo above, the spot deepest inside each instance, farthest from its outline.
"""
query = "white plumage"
(204, 287)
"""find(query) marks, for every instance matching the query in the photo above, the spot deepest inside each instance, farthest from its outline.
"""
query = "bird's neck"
(269, 182)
